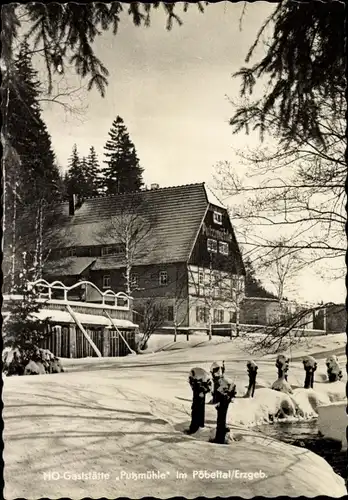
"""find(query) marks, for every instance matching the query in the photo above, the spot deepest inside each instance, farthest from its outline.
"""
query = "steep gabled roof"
(176, 214)
(213, 199)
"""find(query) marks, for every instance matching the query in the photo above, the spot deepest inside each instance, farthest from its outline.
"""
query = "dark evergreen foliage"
(65, 33)
(253, 286)
(82, 175)
(123, 173)
(93, 169)
(32, 180)
(37, 173)
(22, 330)
(304, 67)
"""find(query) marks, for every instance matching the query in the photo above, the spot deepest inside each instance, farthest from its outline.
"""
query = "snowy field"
(98, 428)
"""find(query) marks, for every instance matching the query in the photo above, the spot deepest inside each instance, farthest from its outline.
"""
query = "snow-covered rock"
(333, 421)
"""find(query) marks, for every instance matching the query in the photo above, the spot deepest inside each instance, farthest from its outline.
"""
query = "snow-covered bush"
(23, 332)
(34, 361)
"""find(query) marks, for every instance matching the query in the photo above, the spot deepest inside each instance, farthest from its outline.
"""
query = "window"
(134, 278)
(170, 313)
(212, 245)
(223, 248)
(217, 217)
(163, 278)
(238, 283)
(112, 250)
(218, 315)
(201, 276)
(233, 316)
(71, 252)
(106, 281)
(201, 314)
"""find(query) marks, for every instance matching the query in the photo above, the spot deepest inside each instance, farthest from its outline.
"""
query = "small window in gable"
(212, 245)
(163, 278)
(223, 247)
(217, 217)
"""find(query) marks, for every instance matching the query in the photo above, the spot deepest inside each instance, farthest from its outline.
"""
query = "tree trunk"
(237, 321)
(307, 383)
(128, 265)
(215, 388)
(36, 252)
(197, 411)
(14, 242)
(222, 409)
(210, 333)
(175, 332)
(40, 238)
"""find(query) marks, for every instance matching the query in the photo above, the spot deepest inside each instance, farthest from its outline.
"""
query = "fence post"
(72, 340)
(106, 342)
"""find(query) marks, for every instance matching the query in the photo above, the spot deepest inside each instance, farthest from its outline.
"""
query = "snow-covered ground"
(126, 415)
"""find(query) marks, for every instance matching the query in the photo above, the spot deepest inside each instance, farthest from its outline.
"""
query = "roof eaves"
(198, 231)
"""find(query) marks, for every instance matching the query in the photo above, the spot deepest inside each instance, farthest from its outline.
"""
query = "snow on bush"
(34, 361)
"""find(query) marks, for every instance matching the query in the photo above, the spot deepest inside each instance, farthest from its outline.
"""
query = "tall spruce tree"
(93, 170)
(82, 175)
(75, 177)
(123, 173)
(31, 176)
(28, 135)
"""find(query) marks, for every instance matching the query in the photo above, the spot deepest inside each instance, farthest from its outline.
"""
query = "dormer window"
(111, 250)
(71, 252)
(217, 217)
(163, 278)
(106, 251)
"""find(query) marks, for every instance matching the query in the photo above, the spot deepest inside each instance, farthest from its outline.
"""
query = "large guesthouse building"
(174, 246)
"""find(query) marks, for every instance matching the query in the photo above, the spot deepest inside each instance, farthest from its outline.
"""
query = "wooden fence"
(224, 330)
(69, 342)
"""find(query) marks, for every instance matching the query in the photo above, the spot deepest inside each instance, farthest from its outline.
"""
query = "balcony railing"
(83, 291)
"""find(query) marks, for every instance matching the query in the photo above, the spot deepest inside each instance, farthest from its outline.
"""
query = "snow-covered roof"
(85, 319)
(212, 198)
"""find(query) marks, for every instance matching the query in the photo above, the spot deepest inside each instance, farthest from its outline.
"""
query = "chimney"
(72, 204)
(154, 186)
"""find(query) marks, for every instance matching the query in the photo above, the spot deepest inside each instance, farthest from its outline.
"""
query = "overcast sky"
(170, 88)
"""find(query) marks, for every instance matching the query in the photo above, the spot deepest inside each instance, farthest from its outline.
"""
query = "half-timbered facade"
(175, 244)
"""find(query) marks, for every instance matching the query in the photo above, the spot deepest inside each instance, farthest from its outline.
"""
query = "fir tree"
(123, 173)
(253, 286)
(31, 176)
(75, 177)
(81, 177)
(22, 330)
(67, 33)
(28, 135)
(93, 170)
